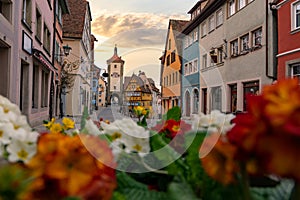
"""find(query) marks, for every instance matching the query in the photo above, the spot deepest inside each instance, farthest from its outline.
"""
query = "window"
(234, 48)
(176, 77)
(35, 86)
(47, 38)
(220, 54)
(45, 78)
(169, 44)
(27, 12)
(58, 10)
(115, 87)
(256, 35)
(203, 29)
(195, 64)
(6, 9)
(204, 61)
(296, 71)
(211, 23)
(231, 7)
(38, 24)
(241, 4)
(195, 35)
(245, 43)
(219, 19)
(191, 67)
(195, 101)
(296, 15)
(216, 98)
(173, 56)
(168, 60)
(186, 69)
(213, 57)
(115, 66)
(173, 78)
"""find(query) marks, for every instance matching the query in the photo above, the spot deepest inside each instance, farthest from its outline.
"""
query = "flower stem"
(245, 183)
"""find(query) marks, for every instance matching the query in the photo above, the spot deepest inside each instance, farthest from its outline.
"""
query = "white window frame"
(256, 36)
(234, 47)
(211, 23)
(219, 17)
(241, 4)
(231, 8)
(293, 74)
(204, 61)
(294, 15)
(244, 43)
(203, 29)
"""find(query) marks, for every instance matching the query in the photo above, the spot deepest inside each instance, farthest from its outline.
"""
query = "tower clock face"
(115, 75)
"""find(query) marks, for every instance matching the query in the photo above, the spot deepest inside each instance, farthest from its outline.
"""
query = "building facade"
(34, 70)
(77, 35)
(115, 66)
(190, 79)
(288, 38)
(171, 66)
(233, 64)
(136, 93)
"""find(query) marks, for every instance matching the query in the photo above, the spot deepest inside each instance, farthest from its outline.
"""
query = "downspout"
(267, 45)
(52, 85)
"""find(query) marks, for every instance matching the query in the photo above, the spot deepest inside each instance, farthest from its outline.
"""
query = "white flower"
(25, 136)
(134, 137)
(91, 127)
(20, 151)
(117, 149)
(6, 129)
(215, 121)
(9, 106)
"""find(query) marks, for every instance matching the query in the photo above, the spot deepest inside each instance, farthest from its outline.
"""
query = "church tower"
(115, 66)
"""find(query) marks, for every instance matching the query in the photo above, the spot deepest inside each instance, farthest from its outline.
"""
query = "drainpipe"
(273, 76)
(52, 85)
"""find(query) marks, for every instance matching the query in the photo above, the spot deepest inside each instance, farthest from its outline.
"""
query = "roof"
(73, 23)
(140, 82)
(115, 58)
(210, 7)
(196, 6)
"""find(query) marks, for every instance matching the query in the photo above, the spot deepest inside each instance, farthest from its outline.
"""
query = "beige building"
(102, 92)
(235, 53)
(77, 34)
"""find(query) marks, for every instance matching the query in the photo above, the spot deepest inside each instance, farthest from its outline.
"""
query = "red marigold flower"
(176, 127)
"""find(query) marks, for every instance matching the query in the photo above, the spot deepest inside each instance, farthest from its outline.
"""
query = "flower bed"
(249, 156)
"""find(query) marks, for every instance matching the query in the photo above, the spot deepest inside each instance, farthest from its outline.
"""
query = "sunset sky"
(138, 27)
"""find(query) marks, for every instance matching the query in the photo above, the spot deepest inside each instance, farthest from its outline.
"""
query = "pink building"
(26, 51)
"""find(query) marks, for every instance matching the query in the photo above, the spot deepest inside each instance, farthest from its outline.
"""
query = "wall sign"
(27, 43)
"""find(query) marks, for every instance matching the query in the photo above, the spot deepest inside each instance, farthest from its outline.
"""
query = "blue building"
(190, 80)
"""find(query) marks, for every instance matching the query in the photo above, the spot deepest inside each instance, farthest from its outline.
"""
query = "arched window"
(187, 104)
(195, 101)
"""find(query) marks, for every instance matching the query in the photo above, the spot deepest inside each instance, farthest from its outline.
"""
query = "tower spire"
(116, 49)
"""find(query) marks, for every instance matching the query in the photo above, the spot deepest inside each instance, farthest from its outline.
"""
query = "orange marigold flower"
(220, 161)
(282, 100)
(73, 166)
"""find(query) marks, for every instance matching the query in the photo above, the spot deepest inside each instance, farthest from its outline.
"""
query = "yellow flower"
(68, 123)
(56, 128)
(50, 123)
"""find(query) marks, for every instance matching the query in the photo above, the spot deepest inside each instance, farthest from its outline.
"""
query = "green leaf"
(181, 190)
(128, 188)
(173, 113)
(84, 117)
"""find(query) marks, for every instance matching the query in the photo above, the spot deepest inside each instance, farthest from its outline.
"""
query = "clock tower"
(115, 67)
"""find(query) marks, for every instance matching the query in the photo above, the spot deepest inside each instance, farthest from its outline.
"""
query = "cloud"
(132, 29)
